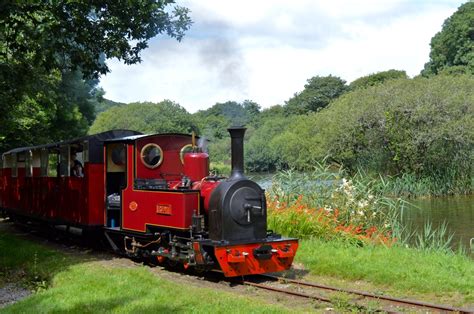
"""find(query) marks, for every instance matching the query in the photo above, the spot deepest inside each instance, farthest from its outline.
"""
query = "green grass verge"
(408, 271)
(92, 288)
(30, 264)
(79, 283)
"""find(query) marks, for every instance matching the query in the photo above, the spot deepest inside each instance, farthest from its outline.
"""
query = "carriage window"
(20, 157)
(29, 164)
(151, 155)
(7, 161)
(44, 162)
(14, 166)
(64, 161)
(186, 149)
(53, 164)
(85, 151)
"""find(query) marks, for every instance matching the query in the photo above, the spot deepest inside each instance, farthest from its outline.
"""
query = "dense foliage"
(146, 117)
(44, 44)
(419, 126)
(377, 78)
(62, 106)
(454, 44)
(213, 124)
(317, 93)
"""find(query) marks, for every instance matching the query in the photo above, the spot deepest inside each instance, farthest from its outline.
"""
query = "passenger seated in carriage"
(76, 167)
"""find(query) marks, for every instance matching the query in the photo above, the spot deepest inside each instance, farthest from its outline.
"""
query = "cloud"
(266, 50)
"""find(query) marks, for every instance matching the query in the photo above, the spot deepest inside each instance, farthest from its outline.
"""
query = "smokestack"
(237, 137)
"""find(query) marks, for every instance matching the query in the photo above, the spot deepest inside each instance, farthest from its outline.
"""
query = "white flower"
(361, 213)
(362, 204)
(327, 209)
(370, 197)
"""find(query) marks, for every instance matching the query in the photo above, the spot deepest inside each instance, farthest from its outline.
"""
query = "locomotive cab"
(162, 203)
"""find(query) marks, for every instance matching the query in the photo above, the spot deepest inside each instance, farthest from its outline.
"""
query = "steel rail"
(298, 294)
(373, 296)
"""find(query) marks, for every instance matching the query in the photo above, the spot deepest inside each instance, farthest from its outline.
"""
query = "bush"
(423, 127)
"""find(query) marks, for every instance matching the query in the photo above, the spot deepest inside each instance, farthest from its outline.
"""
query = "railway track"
(297, 289)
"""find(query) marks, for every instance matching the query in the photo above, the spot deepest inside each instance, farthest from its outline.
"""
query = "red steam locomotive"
(150, 196)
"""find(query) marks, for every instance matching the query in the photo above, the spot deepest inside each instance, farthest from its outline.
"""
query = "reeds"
(328, 204)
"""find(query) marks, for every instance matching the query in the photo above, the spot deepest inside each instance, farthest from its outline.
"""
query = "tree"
(76, 34)
(104, 103)
(235, 113)
(146, 117)
(377, 78)
(40, 42)
(454, 44)
(261, 153)
(63, 108)
(421, 127)
(317, 93)
(214, 121)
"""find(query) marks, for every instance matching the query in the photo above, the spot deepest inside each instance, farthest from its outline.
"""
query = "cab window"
(151, 155)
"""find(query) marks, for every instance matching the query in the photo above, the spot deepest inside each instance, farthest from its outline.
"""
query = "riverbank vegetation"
(329, 204)
(352, 231)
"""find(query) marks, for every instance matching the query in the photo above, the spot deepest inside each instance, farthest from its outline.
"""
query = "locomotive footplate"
(256, 258)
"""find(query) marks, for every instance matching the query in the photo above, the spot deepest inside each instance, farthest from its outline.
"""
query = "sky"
(266, 50)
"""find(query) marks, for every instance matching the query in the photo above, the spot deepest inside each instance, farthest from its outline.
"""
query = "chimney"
(237, 138)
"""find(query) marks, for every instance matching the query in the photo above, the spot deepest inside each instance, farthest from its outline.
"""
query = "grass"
(30, 264)
(79, 283)
(92, 287)
(406, 271)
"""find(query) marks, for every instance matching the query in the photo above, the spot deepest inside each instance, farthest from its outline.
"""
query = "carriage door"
(115, 182)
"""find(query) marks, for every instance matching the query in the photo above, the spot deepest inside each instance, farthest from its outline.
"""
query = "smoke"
(224, 57)
(202, 144)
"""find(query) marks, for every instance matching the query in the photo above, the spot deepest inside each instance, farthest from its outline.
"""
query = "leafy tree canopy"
(105, 103)
(235, 113)
(64, 107)
(417, 126)
(377, 78)
(454, 44)
(317, 93)
(46, 46)
(76, 34)
(146, 117)
(213, 122)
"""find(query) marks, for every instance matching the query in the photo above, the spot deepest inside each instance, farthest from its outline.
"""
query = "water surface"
(457, 211)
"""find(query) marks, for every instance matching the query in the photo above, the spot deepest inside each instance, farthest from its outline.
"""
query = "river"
(456, 211)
